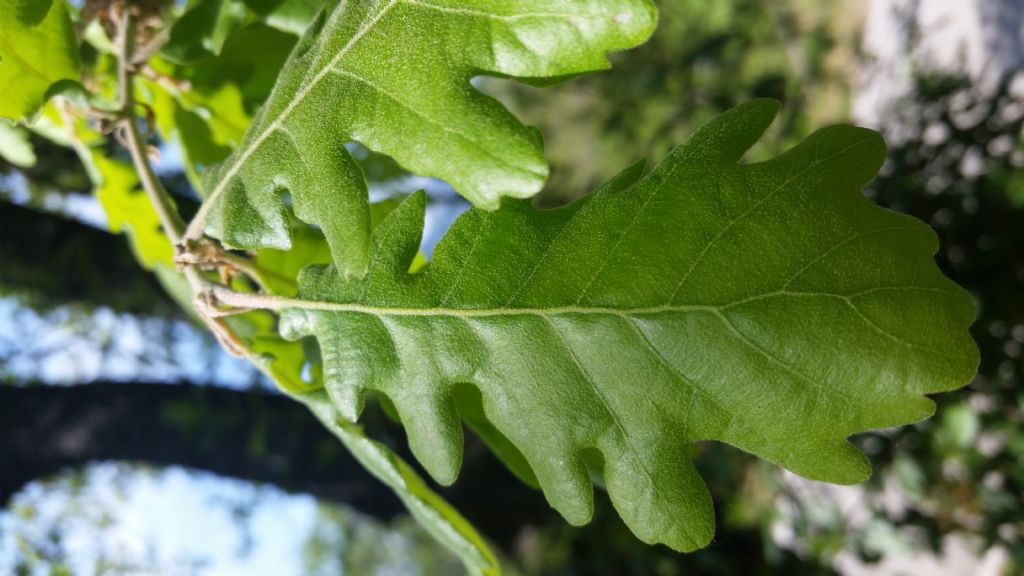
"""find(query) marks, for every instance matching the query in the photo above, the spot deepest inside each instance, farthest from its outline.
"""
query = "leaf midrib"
(282, 303)
(279, 303)
(278, 122)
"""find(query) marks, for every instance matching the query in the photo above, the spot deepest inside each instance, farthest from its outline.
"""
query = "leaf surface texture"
(395, 76)
(768, 305)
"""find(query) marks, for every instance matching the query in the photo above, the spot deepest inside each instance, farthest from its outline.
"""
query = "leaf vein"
(814, 164)
(837, 246)
(437, 123)
(299, 97)
(485, 220)
(700, 391)
(626, 439)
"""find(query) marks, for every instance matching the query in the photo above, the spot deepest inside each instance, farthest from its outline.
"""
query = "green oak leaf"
(395, 76)
(283, 361)
(37, 50)
(282, 267)
(250, 59)
(129, 210)
(15, 146)
(767, 305)
(206, 125)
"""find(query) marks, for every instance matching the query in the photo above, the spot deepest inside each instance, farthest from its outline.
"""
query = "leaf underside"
(768, 306)
(395, 76)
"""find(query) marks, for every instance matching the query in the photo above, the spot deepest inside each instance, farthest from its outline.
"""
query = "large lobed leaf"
(395, 76)
(768, 305)
(37, 50)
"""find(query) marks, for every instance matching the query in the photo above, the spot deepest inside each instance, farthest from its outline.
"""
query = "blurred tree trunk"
(252, 435)
(243, 434)
(62, 261)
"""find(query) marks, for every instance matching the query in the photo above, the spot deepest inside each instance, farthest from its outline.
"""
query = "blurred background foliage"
(152, 396)
(704, 58)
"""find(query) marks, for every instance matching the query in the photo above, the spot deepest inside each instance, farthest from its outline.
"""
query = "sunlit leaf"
(289, 15)
(15, 147)
(37, 50)
(205, 125)
(129, 211)
(251, 59)
(767, 305)
(395, 76)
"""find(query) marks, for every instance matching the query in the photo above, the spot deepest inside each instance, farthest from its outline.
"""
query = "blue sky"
(179, 522)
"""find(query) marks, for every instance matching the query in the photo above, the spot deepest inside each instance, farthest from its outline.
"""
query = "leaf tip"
(348, 401)
(727, 138)
(625, 179)
(851, 466)
(435, 436)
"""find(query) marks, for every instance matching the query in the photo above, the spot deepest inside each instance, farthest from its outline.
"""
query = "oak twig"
(171, 221)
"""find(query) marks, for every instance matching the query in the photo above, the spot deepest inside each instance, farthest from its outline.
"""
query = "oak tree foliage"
(765, 305)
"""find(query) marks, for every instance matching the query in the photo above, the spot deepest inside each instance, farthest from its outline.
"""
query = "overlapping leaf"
(289, 15)
(206, 125)
(395, 76)
(37, 50)
(768, 305)
(201, 31)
